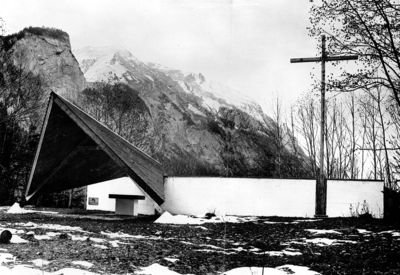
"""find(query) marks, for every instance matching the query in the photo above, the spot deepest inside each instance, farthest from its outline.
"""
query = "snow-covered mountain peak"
(114, 64)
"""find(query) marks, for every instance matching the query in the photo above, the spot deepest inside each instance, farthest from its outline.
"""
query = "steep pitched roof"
(76, 150)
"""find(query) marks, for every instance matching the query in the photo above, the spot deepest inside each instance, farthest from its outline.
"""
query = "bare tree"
(368, 28)
(278, 134)
(308, 128)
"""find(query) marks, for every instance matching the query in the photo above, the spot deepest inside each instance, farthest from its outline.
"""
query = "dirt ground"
(120, 246)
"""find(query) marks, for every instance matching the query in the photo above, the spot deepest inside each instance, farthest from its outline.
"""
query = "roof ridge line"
(104, 126)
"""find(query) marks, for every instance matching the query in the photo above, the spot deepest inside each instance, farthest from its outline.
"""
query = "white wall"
(246, 196)
(240, 196)
(123, 186)
(341, 194)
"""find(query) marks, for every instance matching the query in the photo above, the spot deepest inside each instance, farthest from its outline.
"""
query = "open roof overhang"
(76, 150)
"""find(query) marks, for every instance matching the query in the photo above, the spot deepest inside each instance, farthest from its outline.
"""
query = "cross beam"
(320, 190)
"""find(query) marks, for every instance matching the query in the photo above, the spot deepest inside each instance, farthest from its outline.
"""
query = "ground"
(50, 242)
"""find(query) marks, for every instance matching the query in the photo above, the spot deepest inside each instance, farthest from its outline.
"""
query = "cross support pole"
(321, 187)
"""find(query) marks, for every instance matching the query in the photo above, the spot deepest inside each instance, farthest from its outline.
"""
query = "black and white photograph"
(199, 137)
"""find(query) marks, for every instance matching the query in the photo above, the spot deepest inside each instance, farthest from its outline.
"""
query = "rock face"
(46, 53)
(196, 126)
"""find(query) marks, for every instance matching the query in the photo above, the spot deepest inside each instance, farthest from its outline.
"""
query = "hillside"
(192, 125)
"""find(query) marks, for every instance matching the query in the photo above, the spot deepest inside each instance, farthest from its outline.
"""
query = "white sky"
(245, 44)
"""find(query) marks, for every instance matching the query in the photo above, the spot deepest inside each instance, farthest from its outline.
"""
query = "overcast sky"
(245, 44)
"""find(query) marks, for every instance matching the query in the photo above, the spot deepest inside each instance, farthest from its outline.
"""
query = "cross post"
(320, 190)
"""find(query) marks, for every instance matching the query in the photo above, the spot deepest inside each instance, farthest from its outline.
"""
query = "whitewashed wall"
(240, 196)
(342, 194)
(123, 186)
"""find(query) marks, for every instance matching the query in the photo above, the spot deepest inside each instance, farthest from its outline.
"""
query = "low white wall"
(342, 194)
(239, 196)
(123, 186)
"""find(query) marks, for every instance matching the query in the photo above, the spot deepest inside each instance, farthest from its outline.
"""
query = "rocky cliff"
(47, 53)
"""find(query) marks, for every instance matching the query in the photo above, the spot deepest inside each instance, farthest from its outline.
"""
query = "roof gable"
(76, 150)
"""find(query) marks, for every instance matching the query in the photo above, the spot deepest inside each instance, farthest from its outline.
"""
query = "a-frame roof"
(76, 150)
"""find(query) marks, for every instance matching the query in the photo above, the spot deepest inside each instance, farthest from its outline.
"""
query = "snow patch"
(83, 263)
(17, 239)
(364, 231)
(309, 220)
(122, 235)
(156, 269)
(282, 253)
(78, 238)
(280, 270)
(40, 262)
(322, 231)
(42, 237)
(6, 258)
(97, 240)
(71, 271)
(17, 209)
(25, 270)
(172, 260)
(57, 227)
(392, 232)
(326, 241)
(167, 218)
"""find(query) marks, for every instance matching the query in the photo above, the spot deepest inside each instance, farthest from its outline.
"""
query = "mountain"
(46, 52)
(113, 64)
(194, 126)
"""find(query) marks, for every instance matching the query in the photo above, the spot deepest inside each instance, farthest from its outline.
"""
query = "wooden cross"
(320, 196)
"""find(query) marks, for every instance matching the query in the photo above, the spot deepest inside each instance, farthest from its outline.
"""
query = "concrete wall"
(343, 195)
(240, 196)
(269, 197)
(123, 186)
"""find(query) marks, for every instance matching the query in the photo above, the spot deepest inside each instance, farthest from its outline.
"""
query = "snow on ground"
(121, 235)
(6, 258)
(308, 220)
(292, 222)
(40, 262)
(280, 270)
(57, 227)
(42, 237)
(172, 260)
(16, 209)
(364, 231)
(320, 241)
(27, 270)
(17, 239)
(157, 269)
(167, 218)
(83, 263)
(282, 253)
(395, 234)
(97, 240)
(322, 231)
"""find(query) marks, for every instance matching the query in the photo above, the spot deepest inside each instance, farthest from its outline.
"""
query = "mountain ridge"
(194, 122)
(194, 126)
